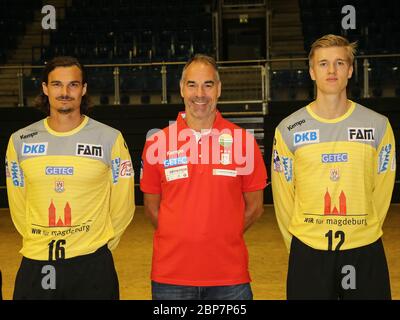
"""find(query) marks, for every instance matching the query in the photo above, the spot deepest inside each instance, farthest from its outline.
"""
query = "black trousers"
(360, 273)
(91, 276)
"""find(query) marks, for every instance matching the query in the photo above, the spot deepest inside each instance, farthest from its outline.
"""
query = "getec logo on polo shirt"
(305, 137)
(175, 162)
(34, 149)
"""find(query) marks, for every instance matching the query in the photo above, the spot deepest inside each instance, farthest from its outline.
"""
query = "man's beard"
(65, 111)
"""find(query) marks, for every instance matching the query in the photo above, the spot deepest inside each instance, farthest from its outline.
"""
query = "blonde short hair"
(331, 40)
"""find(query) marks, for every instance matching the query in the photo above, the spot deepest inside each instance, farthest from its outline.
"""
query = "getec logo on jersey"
(34, 149)
(304, 137)
(89, 150)
(334, 157)
(361, 134)
(59, 171)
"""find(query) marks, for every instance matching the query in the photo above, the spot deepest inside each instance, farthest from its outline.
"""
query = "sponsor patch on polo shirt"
(176, 173)
(224, 172)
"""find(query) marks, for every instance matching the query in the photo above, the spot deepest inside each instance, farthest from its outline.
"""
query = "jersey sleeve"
(256, 179)
(282, 178)
(122, 199)
(15, 181)
(150, 178)
(385, 171)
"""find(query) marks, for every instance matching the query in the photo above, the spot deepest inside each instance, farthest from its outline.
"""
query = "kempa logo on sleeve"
(296, 124)
(89, 150)
(34, 149)
(361, 134)
(304, 137)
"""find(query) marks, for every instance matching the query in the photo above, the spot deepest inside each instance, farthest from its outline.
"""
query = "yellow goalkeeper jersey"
(69, 193)
(332, 180)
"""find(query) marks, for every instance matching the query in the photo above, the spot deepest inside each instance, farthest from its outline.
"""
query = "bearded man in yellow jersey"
(70, 191)
(333, 171)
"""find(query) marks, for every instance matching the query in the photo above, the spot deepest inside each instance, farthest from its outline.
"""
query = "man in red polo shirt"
(203, 179)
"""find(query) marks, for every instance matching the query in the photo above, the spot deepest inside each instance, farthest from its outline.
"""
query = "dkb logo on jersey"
(361, 134)
(89, 150)
(34, 149)
(303, 137)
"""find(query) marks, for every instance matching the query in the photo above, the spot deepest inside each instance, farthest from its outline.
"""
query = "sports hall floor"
(268, 256)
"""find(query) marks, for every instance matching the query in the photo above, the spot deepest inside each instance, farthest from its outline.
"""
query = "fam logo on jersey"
(334, 157)
(288, 168)
(59, 171)
(361, 134)
(296, 124)
(383, 159)
(26, 136)
(59, 186)
(17, 175)
(305, 137)
(89, 150)
(277, 161)
(34, 149)
(115, 164)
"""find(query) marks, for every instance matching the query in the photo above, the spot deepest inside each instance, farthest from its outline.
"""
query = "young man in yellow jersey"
(71, 193)
(333, 171)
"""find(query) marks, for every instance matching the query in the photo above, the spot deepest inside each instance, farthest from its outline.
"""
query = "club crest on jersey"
(59, 186)
(334, 174)
(89, 150)
(305, 137)
(383, 159)
(361, 134)
(34, 149)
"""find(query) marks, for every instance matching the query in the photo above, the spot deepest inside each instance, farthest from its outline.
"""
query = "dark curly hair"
(42, 101)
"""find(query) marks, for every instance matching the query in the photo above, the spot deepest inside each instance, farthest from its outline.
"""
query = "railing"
(261, 68)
